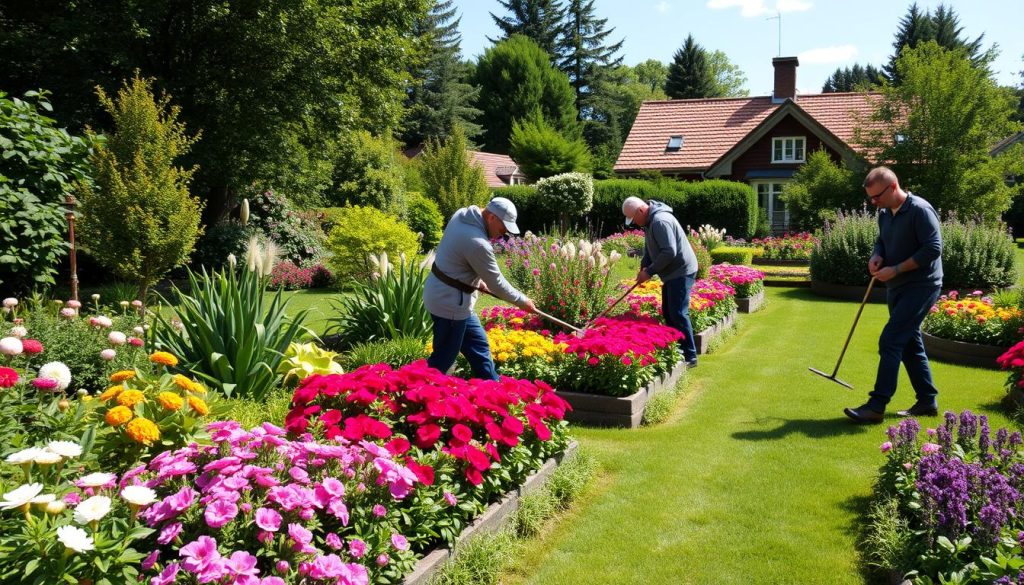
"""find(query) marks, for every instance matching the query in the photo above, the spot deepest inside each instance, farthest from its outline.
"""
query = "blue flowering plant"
(948, 503)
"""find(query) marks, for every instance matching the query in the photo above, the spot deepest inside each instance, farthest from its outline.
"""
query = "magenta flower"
(356, 548)
(382, 559)
(241, 563)
(326, 567)
(200, 554)
(169, 533)
(884, 447)
(399, 542)
(268, 519)
(219, 513)
(450, 498)
(149, 561)
(333, 541)
(929, 448)
(282, 567)
(167, 576)
(379, 510)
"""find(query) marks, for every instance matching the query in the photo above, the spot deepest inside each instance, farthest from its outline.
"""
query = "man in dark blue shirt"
(908, 259)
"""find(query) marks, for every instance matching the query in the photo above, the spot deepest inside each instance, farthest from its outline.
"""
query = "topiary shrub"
(732, 255)
(361, 231)
(565, 196)
(977, 256)
(425, 218)
(703, 257)
(841, 257)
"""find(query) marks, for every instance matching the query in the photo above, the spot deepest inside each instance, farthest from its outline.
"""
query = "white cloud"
(827, 55)
(752, 8)
(663, 7)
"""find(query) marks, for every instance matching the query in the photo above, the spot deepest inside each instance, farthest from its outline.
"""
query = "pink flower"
(268, 519)
(356, 548)
(220, 513)
(272, 580)
(31, 346)
(149, 561)
(301, 536)
(169, 533)
(167, 576)
(929, 448)
(200, 554)
(379, 511)
(884, 447)
(241, 563)
(450, 498)
(382, 559)
(108, 354)
(45, 383)
(326, 567)
(399, 542)
(333, 541)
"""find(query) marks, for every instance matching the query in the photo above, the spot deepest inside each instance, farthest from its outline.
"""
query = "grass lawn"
(758, 477)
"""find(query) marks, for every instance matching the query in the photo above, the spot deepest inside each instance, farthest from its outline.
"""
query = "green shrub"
(841, 257)
(703, 257)
(727, 205)
(251, 413)
(565, 196)
(450, 177)
(531, 218)
(394, 352)
(39, 164)
(541, 151)
(359, 232)
(367, 172)
(732, 255)
(975, 255)
(606, 213)
(386, 306)
(218, 242)
(425, 218)
(819, 189)
(297, 235)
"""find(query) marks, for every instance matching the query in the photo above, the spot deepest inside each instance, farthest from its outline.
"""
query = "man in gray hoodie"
(464, 265)
(668, 255)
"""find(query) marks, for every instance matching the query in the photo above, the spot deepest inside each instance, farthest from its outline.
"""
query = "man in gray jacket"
(668, 255)
(463, 265)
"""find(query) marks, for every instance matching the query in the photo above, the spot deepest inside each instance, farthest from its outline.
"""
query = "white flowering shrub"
(708, 236)
(566, 194)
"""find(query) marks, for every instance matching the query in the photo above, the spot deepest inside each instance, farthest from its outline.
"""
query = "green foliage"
(359, 232)
(305, 359)
(538, 20)
(298, 237)
(251, 413)
(231, 337)
(689, 75)
(389, 305)
(218, 242)
(609, 195)
(367, 172)
(819, 189)
(139, 220)
(729, 205)
(450, 176)
(732, 255)
(976, 255)
(584, 56)
(846, 244)
(531, 218)
(425, 218)
(727, 78)
(516, 78)
(541, 151)
(660, 406)
(565, 195)
(39, 164)
(479, 560)
(394, 352)
(857, 78)
(942, 27)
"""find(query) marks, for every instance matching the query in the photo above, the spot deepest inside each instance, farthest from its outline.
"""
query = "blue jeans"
(675, 306)
(901, 341)
(468, 336)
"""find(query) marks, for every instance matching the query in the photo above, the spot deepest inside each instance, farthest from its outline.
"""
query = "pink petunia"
(268, 519)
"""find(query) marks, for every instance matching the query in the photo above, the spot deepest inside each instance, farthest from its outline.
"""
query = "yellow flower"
(164, 359)
(130, 398)
(143, 430)
(170, 400)
(118, 415)
(122, 375)
(111, 392)
(186, 384)
(198, 405)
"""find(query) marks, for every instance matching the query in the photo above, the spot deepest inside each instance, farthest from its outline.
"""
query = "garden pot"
(963, 353)
(848, 292)
(617, 411)
(769, 262)
(750, 304)
(703, 339)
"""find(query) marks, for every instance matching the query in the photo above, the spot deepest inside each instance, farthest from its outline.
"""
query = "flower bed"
(789, 247)
(974, 318)
(627, 243)
(747, 283)
(947, 505)
(711, 302)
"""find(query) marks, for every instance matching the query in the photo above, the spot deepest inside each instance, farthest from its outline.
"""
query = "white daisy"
(56, 371)
(24, 456)
(92, 509)
(75, 538)
(65, 448)
(21, 496)
(97, 479)
(47, 458)
(138, 495)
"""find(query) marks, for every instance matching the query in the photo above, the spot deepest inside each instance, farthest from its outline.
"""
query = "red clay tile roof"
(710, 127)
(498, 168)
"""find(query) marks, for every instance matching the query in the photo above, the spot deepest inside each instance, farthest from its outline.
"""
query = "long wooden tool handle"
(617, 301)
(557, 320)
(867, 293)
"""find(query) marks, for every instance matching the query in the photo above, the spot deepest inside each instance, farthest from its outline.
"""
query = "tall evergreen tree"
(440, 98)
(853, 79)
(583, 49)
(539, 20)
(689, 75)
(941, 26)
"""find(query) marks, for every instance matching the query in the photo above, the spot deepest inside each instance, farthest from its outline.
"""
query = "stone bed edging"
(704, 338)
(750, 304)
(961, 352)
(492, 519)
(848, 292)
(618, 411)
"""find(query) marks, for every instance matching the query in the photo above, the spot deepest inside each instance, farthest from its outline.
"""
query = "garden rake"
(605, 312)
(576, 330)
(832, 377)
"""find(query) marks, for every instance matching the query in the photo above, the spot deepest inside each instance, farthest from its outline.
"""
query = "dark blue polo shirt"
(912, 233)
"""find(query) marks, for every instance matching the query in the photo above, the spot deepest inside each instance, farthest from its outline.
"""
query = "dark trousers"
(675, 306)
(901, 341)
(466, 336)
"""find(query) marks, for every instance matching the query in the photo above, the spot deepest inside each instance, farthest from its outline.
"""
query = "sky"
(823, 34)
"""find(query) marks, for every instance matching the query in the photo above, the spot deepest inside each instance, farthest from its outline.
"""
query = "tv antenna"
(778, 16)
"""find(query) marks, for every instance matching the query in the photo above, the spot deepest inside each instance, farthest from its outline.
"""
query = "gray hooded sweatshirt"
(667, 251)
(465, 254)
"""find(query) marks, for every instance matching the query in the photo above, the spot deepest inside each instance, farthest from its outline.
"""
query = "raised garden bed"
(750, 304)
(848, 292)
(615, 411)
(962, 353)
(704, 338)
(493, 518)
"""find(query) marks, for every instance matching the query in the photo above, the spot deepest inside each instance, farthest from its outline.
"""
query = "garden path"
(757, 477)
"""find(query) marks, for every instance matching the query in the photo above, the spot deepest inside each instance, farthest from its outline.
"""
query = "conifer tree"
(943, 27)
(539, 20)
(689, 75)
(585, 54)
(854, 78)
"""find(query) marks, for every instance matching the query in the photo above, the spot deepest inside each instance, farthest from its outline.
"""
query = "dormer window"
(788, 150)
(899, 138)
(675, 143)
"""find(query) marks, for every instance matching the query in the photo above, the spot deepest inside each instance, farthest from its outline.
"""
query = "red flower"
(427, 435)
(397, 446)
(8, 377)
(423, 473)
(462, 433)
(31, 346)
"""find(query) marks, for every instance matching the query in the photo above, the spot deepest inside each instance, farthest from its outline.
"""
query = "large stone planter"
(769, 262)
(848, 292)
(493, 518)
(750, 304)
(959, 352)
(618, 411)
(703, 339)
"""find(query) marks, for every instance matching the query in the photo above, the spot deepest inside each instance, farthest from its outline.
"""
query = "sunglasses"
(880, 193)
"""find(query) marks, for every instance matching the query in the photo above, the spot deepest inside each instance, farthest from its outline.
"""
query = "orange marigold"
(198, 405)
(170, 400)
(143, 430)
(111, 392)
(185, 383)
(122, 375)
(130, 398)
(118, 415)
(164, 359)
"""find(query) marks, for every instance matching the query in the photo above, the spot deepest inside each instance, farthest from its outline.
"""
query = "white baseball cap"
(506, 212)
(630, 207)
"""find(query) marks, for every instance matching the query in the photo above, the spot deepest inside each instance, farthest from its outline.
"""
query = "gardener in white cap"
(464, 264)
(667, 254)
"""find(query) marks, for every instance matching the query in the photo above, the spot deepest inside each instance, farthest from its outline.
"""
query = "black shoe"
(863, 414)
(920, 410)
(691, 364)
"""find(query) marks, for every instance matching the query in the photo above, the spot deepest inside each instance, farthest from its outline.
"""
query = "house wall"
(759, 156)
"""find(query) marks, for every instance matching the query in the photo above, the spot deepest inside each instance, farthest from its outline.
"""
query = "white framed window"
(675, 143)
(769, 198)
(788, 149)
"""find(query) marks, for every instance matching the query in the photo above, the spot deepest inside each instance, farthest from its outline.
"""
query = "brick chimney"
(785, 78)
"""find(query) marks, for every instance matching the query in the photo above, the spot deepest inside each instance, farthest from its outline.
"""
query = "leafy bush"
(290, 277)
(565, 195)
(367, 172)
(387, 306)
(425, 218)
(974, 319)
(788, 247)
(732, 255)
(531, 218)
(218, 242)
(450, 176)
(39, 164)
(730, 205)
(362, 231)
(230, 337)
(703, 257)
(819, 189)
(541, 151)
(609, 195)
(976, 255)
(393, 352)
(297, 235)
(841, 257)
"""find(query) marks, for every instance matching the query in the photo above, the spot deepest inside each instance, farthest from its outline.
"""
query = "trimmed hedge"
(732, 255)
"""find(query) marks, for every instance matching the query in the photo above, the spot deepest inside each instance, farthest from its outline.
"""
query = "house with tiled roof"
(757, 140)
(499, 169)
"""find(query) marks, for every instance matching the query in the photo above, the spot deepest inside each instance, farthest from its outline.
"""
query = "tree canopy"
(538, 20)
(689, 75)
(941, 26)
(584, 52)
